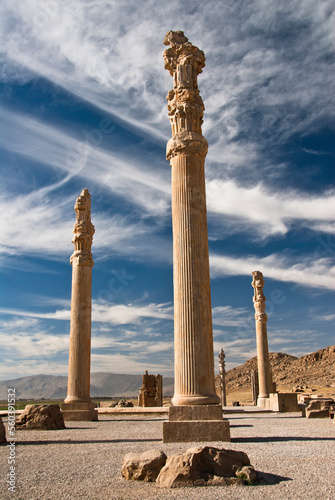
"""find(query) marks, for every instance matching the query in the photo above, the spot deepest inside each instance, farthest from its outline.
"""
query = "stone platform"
(195, 423)
(77, 412)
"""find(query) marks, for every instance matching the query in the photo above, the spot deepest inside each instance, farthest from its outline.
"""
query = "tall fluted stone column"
(194, 356)
(264, 370)
(186, 151)
(78, 404)
(222, 377)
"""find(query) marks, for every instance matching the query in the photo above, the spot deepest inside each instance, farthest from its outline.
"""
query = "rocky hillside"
(316, 369)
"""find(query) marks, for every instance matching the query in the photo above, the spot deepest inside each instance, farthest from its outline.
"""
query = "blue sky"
(83, 104)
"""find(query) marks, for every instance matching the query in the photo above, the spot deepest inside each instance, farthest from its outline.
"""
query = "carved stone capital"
(187, 143)
(184, 61)
(262, 317)
(83, 231)
(81, 258)
(259, 298)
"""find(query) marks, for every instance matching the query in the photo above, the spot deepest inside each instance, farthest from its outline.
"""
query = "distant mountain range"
(316, 369)
(55, 387)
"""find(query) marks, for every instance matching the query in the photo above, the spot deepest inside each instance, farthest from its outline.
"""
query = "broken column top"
(184, 61)
(259, 298)
(222, 356)
(83, 231)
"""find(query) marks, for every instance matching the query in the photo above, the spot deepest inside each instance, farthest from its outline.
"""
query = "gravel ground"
(296, 458)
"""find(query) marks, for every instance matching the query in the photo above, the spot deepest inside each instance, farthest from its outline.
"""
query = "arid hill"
(316, 369)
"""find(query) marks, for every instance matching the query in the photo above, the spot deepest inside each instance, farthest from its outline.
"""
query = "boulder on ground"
(42, 417)
(125, 404)
(204, 466)
(2, 432)
(144, 466)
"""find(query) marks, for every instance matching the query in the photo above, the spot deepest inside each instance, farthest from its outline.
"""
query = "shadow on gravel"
(273, 439)
(241, 425)
(267, 478)
(94, 441)
(134, 419)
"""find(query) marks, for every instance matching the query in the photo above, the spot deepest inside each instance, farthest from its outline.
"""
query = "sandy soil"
(295, 457)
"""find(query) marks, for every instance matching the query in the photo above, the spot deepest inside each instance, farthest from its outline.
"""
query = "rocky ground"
(311, 371)
(295, 457)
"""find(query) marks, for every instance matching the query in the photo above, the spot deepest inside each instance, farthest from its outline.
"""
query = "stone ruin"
(151, 392)
(201, 466)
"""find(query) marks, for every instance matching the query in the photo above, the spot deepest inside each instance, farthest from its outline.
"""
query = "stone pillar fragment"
(254, 386)
(78, 404)
(264, 371)
(151, 392)
(222, 377)
(193, 336)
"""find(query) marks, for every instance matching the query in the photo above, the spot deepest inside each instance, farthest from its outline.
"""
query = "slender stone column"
(193, 337)
(78, 405)
(223, 377)
(264, 371)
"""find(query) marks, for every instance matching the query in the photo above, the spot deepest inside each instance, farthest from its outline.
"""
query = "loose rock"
(143, 467)
(43, 417)
(199, 466)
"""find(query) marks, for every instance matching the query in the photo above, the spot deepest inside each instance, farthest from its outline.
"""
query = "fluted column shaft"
(80, 335)
(193, 338)
(264, 378)
(81, 303)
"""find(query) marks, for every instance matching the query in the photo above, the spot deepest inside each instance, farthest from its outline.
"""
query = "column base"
(195, 400)
(76, 412)
(195, 423)
(263, 403)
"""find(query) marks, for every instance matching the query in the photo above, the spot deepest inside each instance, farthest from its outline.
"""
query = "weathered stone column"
(193, 337)
(196, 414)
(78, 404)
(222, 377)
(264, 371)
(254, 386)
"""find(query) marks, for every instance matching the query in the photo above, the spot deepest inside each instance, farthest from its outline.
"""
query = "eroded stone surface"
(2, 432)
(143, 467)
(43, 417)
(201, 466)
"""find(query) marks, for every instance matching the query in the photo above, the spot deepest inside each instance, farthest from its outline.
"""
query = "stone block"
(284, 402)
(317, 413)
(196, 412)
(82, 411)
(196, 431)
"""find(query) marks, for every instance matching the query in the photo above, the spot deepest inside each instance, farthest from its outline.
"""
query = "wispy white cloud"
(318, 273)
(128, 177)
(121, 363)
(102, 312)
(228, 316)
(122, 314)
(121, 70)
(269, 213)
